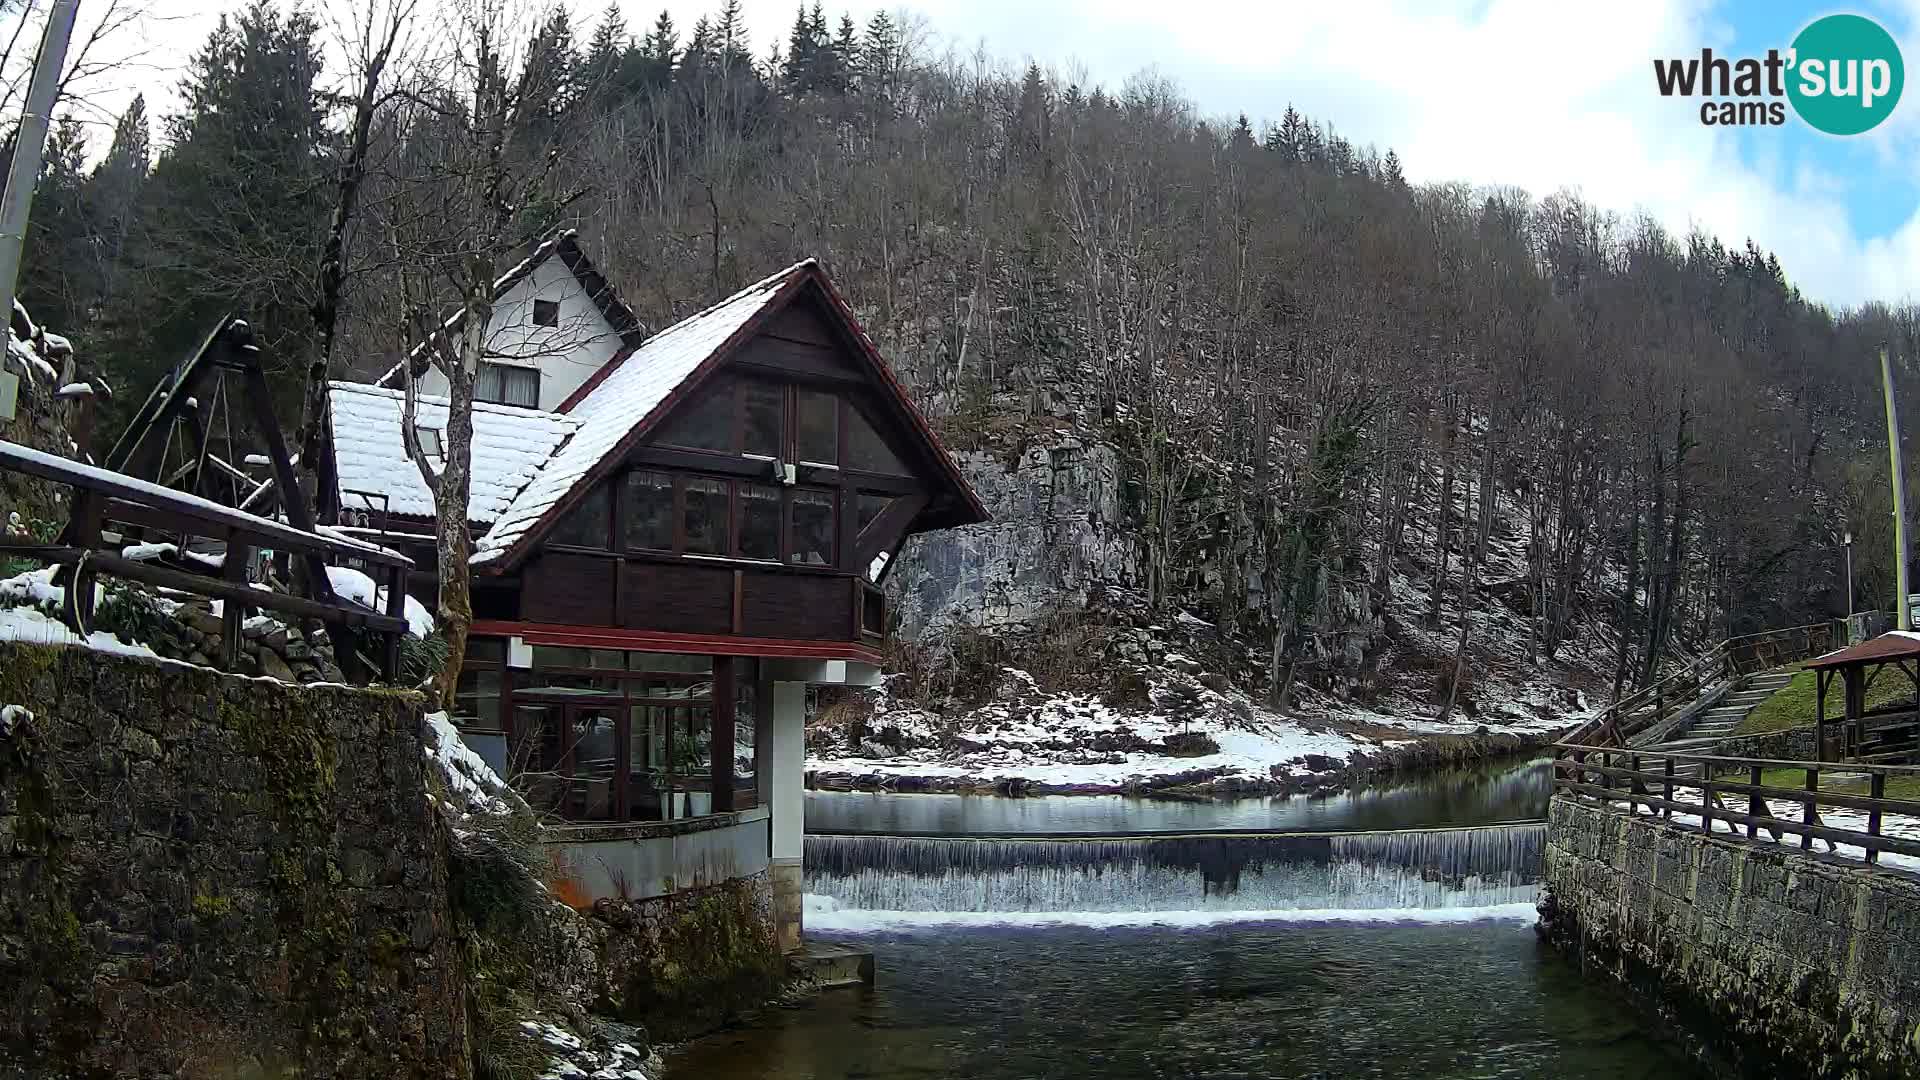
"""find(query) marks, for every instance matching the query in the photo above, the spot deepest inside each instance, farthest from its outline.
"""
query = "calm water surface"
(1239, 1000)
(1506, 791)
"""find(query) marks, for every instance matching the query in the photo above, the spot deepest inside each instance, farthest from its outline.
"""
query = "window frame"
(506, 370)
(545, 307)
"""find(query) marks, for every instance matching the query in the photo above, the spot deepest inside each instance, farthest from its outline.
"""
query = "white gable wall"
(567, 354)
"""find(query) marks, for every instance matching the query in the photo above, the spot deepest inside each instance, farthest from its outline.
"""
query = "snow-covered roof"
(625, 397)
(510, 445)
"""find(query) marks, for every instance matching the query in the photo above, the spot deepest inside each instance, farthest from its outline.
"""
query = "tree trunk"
(1445, 524)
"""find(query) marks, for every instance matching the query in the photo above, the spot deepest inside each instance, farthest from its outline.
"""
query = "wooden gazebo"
(1887, 733)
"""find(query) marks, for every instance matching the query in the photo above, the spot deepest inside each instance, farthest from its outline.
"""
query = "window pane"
(766, 406)
(689, 746)
(705, 423)
(660, 661)
(819, 436)
(607, 660)
(490, 650)
(870, 507)
(556, 656)
(647, 755)
(521, 386)
(759, 522)
(546, 313)
(813, 530)
(486, 383)
(477, 700)
(867, 451)
(587, 524)
(745, 679)
(707, 516)
(649, 510)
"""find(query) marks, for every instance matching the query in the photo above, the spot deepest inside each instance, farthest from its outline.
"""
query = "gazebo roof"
(1887, 648)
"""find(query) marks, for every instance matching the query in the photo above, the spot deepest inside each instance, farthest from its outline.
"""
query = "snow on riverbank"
(1186, 735)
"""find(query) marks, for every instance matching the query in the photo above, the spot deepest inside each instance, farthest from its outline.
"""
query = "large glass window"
(707, 422)
(818, 420)
(870, 507)
(589, 522)
(759, 521)
(867, 451)
(765, 408)
(649, 510)
(813, 531)
(707, 517)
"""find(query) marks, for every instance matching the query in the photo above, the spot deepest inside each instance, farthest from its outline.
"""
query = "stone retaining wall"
(206, 875)
(1780, 962)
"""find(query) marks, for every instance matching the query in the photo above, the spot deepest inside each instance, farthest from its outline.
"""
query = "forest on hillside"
(1287, 340)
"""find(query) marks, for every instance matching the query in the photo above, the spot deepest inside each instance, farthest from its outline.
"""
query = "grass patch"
(1898, 787)
(1792, 705)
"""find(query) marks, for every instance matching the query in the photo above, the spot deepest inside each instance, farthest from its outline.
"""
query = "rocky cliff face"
(1058, 538)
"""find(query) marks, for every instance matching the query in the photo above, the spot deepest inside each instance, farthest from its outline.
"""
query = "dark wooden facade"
(751, 516)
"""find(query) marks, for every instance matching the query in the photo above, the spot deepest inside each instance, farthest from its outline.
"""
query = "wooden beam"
(885, 532)
(721, 745)
(168, 578)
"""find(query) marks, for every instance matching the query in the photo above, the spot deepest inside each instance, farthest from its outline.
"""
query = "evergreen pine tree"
(846, 51)
(659, 50)
(1390, 171)
(57, 277)
(234, 215)
(1293, 136)
(1241, 141)
(877, 55)
(113, 192)
(600, 67)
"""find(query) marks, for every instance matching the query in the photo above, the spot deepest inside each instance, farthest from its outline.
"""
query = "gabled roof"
(566, 245)
(621, 399)
(632, 393)
(510, 446)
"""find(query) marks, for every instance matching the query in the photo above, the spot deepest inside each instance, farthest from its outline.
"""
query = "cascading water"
(1426, 868)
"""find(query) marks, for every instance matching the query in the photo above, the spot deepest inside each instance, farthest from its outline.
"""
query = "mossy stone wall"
(1774, 962)
(686, 963)
(205, 875)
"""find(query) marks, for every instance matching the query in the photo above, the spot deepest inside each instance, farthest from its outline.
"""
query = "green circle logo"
(1846, 74)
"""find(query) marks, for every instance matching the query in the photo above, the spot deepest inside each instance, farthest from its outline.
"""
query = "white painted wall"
(787, 762)
(567, 354)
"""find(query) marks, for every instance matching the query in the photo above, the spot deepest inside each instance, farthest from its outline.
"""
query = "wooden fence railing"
(1656, 780)
(1665, 697)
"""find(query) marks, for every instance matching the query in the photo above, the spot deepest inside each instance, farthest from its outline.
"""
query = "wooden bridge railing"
(1733, 790)
(1667, 696)
(101, 496)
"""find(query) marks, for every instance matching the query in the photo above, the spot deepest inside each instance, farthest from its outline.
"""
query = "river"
(1386, 933)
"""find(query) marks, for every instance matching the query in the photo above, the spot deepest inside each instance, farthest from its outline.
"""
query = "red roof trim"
(610, 637)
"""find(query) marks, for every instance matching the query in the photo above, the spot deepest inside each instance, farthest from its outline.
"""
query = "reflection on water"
(1508, 791)
(1264, 1000)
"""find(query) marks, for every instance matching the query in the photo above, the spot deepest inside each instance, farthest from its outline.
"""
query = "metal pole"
(1849, 549)
(1899, 496)
(29, 146)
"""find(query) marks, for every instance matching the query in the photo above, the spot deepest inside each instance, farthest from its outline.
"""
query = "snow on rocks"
(1034, 742)
(573, 1058)
(470, 781)
(13, 714)
(358, 587)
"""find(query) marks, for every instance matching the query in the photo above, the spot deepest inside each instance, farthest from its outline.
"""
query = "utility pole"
(1899, 497)
(29, 145)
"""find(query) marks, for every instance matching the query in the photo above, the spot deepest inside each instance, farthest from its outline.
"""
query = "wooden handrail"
(1623, 777)
(1677, 690)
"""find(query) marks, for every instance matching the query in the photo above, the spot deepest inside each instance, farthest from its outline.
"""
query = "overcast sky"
(1543, 95)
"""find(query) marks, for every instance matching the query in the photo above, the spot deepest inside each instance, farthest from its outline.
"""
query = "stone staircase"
(1719, 721)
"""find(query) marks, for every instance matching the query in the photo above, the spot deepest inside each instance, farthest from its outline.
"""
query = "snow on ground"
(31, 595)
(573, 1059)
(1077, 740)
(1897, 825)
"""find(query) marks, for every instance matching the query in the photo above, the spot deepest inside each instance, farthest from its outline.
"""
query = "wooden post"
(1820, 678)
(396, 607)
(1876, 789)
(720, 765)
(1810, 811)
(1706, 797)
(1667, 811)
(1756, 806)
(232, 612)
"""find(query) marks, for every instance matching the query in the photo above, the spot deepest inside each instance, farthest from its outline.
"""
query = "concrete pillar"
(786, 774)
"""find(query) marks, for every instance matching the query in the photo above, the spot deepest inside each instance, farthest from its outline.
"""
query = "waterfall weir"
(1413, 868)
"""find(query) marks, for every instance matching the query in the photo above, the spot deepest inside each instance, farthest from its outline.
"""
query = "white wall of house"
(566, 354)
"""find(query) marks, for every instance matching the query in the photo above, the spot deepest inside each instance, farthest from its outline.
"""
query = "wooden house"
(673, 534)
